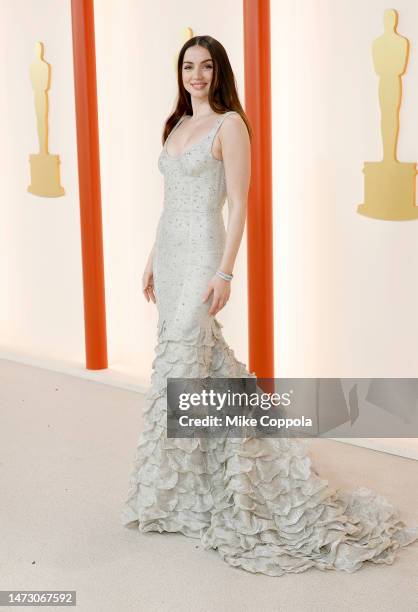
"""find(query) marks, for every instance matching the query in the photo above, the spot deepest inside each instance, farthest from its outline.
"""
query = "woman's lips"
(199, 85)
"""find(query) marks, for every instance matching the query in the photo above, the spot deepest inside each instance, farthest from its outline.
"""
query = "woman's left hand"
(221, 292)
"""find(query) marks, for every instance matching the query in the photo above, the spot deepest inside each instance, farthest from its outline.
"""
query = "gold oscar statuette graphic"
(44, 168)
(389, 185)
(187, 35)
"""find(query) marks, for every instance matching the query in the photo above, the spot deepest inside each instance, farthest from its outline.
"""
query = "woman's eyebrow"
(202, 62)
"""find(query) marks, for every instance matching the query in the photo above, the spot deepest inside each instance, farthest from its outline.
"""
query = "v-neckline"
(191, 146)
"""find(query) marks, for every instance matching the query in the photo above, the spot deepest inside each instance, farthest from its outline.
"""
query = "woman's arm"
(148, 278)
(236, 153)
(151, 254)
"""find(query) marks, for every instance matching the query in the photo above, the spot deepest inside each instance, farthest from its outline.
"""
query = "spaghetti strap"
(222, 118)
(218, 125)
(174, 128)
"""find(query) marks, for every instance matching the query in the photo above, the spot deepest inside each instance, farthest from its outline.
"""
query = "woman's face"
(197, 71)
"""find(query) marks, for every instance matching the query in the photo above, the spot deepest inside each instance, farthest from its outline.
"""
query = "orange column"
(84, 59)
(260, 213)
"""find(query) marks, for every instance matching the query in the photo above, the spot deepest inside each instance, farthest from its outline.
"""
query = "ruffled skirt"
(258, 501)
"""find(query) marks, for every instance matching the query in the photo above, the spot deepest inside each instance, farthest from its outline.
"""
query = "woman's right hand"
(148, 282)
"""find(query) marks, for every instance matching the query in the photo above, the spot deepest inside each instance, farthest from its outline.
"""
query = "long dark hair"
(223, 94)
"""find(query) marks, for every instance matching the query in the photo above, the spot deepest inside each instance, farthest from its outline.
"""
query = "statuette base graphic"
(45, 175)
(389, 191)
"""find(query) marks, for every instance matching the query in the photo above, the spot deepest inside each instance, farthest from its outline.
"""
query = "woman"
(259, 502)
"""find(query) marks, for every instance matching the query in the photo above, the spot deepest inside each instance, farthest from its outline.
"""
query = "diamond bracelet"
(224, 275)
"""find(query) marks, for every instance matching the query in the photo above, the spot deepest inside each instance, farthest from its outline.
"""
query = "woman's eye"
(207, 66)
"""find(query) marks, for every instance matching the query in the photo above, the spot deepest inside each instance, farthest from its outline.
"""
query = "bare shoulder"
(234, 127)
(234, 122)
(231, 136)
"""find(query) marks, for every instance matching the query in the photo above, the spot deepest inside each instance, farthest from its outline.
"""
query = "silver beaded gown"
(258, 501)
